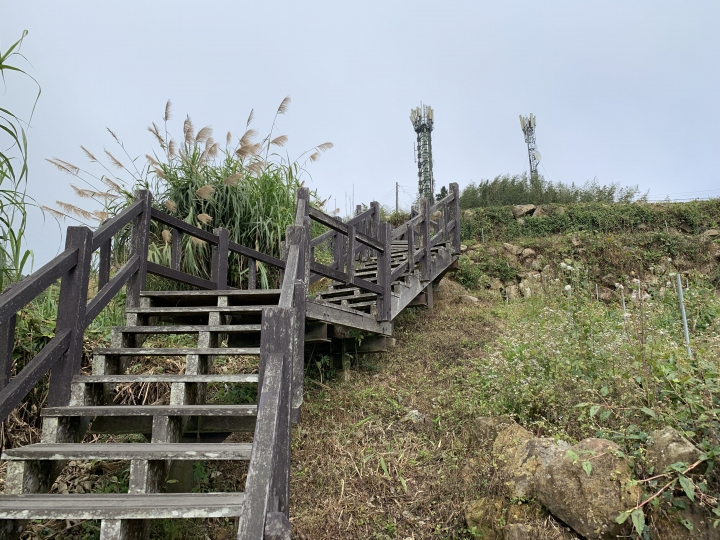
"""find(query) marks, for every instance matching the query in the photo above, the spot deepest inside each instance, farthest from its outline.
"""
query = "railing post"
(219, 269)
(104, 265)
(455, 215)
(384, 273)
(350, 258)
(375, 223)
(139, 246)
(7, 345)
(425, 234)
(252, 274)
(410, 235)
(339, 248)
(71, 316)
(176, 249)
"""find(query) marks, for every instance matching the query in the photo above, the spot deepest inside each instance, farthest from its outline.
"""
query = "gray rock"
(486, 428)
(589, 503)
(527, 253)
(520, 531)
(522, 210)
(530, 458)
(414, 416)
(711, 233)
(469, 300)
(463, 248)
(666, 446)
(539, 212)
(512, 291)
(512, 249)
(508, 441)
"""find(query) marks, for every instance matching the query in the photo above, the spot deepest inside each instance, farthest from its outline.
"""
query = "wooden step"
(210, 298)
(332, 296)
(121, 506)
(193, 310)
(216, 351)
(152, 410)
(128, 451)
(165, 378)
(189, 329)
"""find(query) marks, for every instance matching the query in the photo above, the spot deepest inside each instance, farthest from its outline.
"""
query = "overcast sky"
(624, 92)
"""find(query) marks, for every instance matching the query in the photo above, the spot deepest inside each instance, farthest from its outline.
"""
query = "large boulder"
(530, 458)
(521, 531)
(666, 446)
(522, 210)
(484, 517)
(589, 503)
(675, 524)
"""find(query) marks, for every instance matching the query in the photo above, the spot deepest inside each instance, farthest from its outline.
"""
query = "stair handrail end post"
(139, 246)
(72, 305)
(425, 233)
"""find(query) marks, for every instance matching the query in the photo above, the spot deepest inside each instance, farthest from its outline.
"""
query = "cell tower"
(422, 120)
(527, 124)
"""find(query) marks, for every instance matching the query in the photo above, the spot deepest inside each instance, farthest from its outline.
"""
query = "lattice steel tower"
(422, 120)
(527, 124)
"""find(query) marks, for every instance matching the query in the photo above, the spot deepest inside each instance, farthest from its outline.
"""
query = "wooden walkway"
(374, 274)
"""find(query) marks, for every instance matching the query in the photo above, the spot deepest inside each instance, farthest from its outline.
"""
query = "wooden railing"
(267, 490)
(62, 355)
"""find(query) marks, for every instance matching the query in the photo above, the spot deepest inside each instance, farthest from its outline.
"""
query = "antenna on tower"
(527, 124)
(422, 119)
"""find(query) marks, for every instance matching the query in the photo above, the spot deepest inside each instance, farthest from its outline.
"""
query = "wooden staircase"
(376, 273)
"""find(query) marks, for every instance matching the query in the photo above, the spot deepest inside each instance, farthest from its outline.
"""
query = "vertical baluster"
(425, 234)
(176, 249)
(220, 259)
(455, 215)
(7, 345)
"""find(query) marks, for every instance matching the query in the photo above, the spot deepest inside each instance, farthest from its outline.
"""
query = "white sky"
(623, 91)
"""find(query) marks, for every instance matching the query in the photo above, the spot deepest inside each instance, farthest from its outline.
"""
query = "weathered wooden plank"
(139, 246)
(257, 255)
(341, 227)
(121, 506)
(219, 261)
(7, 345)
(189, 329)
(16, 297)
(152, 410)
(164, 378)
(178, 275)
(71, 315)
(346, 317)
(354, 221)
(252, 274)
(277, 526)
(128, 451)
(384, 275)
(455, 216)
(163, 310)
(180, 225)
(234, 293)
(399, 271)
(350, 257)
(104, 264)
(114, 225)
(176, 249)
(108, 292)
(340, 276)
(18, 388)
(179, 351)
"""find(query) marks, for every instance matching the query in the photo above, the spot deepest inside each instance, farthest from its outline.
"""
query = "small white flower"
(636, 280)
(568, 287)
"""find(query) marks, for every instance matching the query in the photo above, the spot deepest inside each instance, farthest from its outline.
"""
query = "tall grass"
(13, 178)
(242, 184)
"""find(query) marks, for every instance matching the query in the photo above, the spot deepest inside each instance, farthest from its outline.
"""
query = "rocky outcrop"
(529, 459)
(666, 446)
(522, 210)
(589, 503)
(484, 517)
(486, 428)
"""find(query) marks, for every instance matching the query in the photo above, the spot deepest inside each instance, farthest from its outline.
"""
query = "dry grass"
(360, 469)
